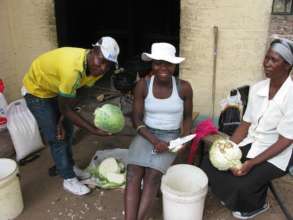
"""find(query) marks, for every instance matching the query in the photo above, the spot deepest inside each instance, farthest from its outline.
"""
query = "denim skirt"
(141, 151)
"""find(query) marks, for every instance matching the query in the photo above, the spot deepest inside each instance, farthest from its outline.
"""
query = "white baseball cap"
(109, 48)
(162, 51)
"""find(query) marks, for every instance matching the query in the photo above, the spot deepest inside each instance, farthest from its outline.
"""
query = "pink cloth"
(1, 86)
(204, 128)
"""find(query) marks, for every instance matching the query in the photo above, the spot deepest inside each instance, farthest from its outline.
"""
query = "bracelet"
(139, 127)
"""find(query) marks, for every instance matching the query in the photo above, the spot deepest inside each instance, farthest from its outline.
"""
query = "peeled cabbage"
(108, 165)
(110, 174)
(117, 178)
(225, 154)
(109, 118)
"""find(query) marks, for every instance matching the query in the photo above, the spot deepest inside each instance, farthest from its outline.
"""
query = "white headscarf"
(284, 48)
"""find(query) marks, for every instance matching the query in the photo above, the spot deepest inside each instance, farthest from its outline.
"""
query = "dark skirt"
(245, 193)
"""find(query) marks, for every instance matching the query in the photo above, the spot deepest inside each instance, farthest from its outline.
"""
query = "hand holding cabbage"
(244, 169)
(109, 118)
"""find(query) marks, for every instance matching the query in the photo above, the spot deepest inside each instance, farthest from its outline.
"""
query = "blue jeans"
(47, 114)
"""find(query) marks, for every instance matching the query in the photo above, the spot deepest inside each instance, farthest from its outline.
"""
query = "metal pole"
(216, 36)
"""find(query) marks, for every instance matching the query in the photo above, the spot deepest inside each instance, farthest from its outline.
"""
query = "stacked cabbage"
(225, 154)
(109, 118)
(110, 174)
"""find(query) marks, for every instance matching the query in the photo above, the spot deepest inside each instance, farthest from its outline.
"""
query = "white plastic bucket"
(11, 202)
(184, 189)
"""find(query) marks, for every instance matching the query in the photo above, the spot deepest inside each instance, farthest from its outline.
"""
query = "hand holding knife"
(177, 144)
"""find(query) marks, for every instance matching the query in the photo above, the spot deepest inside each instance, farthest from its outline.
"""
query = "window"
(282, 7)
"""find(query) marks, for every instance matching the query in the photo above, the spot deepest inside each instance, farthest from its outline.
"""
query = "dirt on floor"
(45, 199)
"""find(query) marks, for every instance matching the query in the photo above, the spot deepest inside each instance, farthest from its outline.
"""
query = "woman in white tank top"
(160, 108)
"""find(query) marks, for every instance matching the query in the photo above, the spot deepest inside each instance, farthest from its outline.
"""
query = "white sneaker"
(81, 174)
(249, 215)
(74, 186)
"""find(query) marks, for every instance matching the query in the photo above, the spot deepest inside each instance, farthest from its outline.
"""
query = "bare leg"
(133, 191)
(151, 185)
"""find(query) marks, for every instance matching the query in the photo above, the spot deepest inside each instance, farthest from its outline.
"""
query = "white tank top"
(163, 114)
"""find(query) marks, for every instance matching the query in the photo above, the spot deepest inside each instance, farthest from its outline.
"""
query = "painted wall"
(27, 30)
(243, 32)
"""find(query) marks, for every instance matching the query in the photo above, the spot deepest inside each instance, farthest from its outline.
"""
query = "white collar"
(264, 90)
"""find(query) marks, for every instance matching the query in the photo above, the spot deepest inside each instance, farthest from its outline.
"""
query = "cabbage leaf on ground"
(109, 174)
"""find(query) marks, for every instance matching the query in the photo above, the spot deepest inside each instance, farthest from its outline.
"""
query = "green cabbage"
(109, 118)
(225, 154)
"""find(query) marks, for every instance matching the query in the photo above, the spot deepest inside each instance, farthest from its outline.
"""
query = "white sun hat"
(109, 48)
(162, 51)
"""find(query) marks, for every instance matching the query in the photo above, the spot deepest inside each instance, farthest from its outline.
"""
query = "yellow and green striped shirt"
(58, 72)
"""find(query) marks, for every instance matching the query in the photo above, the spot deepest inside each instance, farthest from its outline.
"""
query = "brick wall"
(27, 30)
(243, 30)
(282, 25)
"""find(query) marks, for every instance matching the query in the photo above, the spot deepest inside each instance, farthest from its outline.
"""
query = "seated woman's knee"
(152, 177)
(244, 187)
(134, 173)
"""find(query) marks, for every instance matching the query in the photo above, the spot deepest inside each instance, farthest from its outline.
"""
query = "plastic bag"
(23, 129)
(231, 113)
(117, 153)
(233, 99)
(95, 181)
(3, 108)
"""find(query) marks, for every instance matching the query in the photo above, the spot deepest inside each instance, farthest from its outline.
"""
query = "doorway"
(134, 24)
